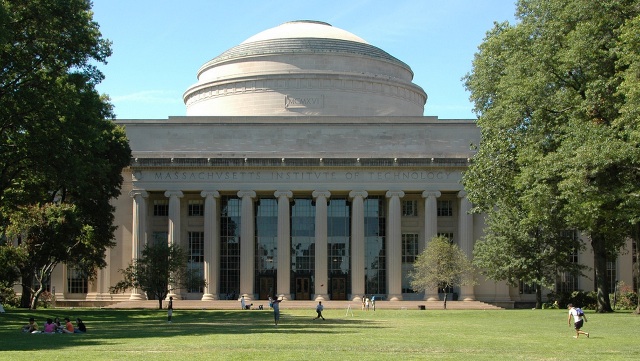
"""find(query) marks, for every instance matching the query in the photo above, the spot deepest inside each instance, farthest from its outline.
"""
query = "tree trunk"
(600, 266)
(159, 303)
(445, 300)
(27, 281)
(538, 297)
(34, 300)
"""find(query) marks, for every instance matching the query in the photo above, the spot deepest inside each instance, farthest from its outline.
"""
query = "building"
(304, 168)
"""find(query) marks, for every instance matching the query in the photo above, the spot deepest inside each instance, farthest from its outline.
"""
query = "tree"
(441, 264)
(11, 259)
(551, 103)
(51, 234)
(161, 270)
(57, 142)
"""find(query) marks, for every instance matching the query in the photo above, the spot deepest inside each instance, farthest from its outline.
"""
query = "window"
(159, 238)
(527, 288)
(196, 260)
(409, 247)
(410, 208)
(445, 209)
(567, 282)
(161, 207)
(77, 282)
(447, 235)
(196, 208)
(611, 273)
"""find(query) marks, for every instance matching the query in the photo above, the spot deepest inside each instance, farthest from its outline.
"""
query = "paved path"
(230, 305)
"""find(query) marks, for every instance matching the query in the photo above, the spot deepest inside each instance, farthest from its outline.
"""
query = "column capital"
(354, 194)
(178, 194)
(390, 194)
(462, 194)
(243, 194)
(138, 192)
(430, 193)
(317, 194)
(287, 194)
(214, 194)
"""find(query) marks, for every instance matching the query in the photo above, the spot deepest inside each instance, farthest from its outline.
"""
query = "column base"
(209, 297)
(285, 296)
(137, 297)
(396, 297)
(321, 297)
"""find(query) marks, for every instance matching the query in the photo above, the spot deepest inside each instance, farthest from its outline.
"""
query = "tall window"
(230, 246)
(445, 208)
(77, 281)
(159, 238)
(339, 247)
(409, 247)
(196, 259)
(195, 208)
(611, 274)
(374, 245)
(303, 236)
(161, 207)
(527, 288)
(567, 282)
(266, 257)
(410, 208)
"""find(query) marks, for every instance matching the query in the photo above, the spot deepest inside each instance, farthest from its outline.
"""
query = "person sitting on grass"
(80, 327)
(50, 327)
(68, 326)
(31, 327)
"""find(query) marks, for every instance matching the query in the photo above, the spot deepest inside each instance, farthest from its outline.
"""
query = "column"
(321, 270)
(247, 245)
(284, 244)
(211, 245)
(174, 227)
(357, 244)
(430, 231)
(465, 231)
(394, 246)
(138, 231)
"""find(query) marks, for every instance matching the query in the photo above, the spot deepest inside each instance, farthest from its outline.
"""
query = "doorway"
(338, 288)
(267, 287)
(303, 288)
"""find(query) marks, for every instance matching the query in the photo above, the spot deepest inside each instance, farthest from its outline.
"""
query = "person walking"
(319, 309)
(170, 309)
(578, 320)
(276, 310)
(243, 304)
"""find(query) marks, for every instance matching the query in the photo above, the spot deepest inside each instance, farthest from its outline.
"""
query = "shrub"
(8, 297)
(625, 299)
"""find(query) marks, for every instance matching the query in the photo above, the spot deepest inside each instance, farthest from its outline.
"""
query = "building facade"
(304, 168)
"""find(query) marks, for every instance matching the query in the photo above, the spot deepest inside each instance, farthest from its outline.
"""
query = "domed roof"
(305, 29)
(305, 68)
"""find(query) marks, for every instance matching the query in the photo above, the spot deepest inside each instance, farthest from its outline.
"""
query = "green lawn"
(380, 335)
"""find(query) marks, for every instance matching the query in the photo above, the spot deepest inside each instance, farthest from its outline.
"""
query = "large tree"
(551, 107)
(57, 140)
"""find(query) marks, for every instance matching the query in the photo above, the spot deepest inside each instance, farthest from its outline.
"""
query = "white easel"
(349, 310)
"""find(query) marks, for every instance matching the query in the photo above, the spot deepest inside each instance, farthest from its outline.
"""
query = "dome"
(305, 68)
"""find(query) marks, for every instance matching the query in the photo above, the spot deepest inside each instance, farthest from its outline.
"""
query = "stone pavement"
(231, 305)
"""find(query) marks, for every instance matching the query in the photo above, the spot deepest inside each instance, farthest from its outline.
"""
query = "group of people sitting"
(55, 326)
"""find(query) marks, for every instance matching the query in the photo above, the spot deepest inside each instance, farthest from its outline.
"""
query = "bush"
(626, 299)
(578, 298)
(8, 297)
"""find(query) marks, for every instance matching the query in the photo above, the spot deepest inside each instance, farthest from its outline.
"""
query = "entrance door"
(267, 288)
(338, 288)
(303, 288)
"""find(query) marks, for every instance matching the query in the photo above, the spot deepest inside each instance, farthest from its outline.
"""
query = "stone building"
(304, 168)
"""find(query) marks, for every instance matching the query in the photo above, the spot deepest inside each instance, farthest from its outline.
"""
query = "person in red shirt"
(68, 326)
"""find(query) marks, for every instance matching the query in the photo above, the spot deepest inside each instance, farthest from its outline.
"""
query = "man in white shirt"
(578, 320)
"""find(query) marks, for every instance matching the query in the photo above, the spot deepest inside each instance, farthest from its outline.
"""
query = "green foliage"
(625, 298)
(578, 298)
(161, 269)
(441, 264)
(12, 259)
(557, 101)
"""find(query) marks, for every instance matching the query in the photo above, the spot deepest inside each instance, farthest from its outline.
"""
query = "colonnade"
(321, 197)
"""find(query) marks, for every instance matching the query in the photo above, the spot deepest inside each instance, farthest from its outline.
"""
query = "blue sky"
(158, 45)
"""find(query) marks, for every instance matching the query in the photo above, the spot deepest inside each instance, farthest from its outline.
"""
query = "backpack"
(579, 311)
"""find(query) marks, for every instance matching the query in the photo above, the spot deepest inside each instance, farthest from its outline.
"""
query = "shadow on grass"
(108, 326)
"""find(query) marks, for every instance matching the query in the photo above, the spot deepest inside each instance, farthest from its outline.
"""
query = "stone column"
(138, 231)
(465, 232)
(211, 245)
(430, 230)
(357, 244)
(394, 246)
(174, 227)
(247, 245)
(321, 270)
(284, 244)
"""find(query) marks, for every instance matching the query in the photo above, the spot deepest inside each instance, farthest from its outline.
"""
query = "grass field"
(380, 335)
